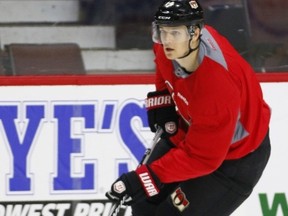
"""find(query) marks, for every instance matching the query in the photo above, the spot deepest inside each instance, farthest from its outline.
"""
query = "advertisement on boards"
(61, 147)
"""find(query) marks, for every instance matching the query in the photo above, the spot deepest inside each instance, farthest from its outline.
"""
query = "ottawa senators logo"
(179, 199)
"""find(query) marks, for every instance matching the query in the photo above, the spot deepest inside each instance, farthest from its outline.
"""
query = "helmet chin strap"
(190, 50)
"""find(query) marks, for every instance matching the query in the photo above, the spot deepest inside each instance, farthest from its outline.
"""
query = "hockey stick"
(117, 205)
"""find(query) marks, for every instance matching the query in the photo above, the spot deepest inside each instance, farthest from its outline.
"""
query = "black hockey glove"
(137, 185)
(161, 112)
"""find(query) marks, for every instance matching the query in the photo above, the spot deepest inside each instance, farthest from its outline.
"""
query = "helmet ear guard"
(191, 30)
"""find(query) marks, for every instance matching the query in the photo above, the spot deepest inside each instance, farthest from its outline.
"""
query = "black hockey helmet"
(179, 12)
(175, 13)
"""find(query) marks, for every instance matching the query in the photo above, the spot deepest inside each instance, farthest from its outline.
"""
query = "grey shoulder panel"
(210, 48)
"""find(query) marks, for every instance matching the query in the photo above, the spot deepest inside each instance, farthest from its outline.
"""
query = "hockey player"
(209, 103)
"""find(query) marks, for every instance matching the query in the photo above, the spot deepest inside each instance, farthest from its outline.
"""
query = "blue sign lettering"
(21, 136)
(128, 112)
(20, 149)
(67, 146)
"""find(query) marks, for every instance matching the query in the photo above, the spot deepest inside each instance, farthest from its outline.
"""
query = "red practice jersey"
(221, 104)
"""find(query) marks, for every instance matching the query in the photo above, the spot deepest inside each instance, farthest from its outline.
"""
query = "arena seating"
(114, 36)
(45, 59)
(56, 22)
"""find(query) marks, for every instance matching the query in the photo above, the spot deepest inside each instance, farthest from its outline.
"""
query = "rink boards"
(61, 147)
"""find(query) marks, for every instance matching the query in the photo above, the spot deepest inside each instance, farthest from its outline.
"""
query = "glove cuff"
(148, 183)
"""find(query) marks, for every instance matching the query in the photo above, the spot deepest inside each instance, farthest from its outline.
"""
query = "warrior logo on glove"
(159, 101)
(148, 184)
(162, 112)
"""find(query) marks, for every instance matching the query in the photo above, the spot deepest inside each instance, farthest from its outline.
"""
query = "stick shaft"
(154, 142)
(116, 206)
